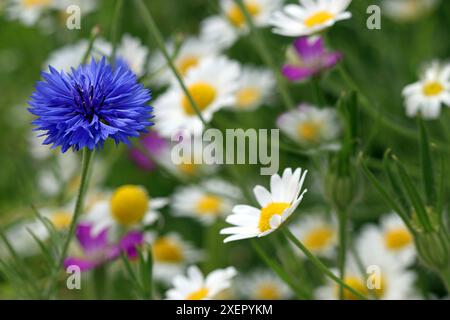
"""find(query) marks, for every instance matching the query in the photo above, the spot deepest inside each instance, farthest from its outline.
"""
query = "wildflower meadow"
(224, 150)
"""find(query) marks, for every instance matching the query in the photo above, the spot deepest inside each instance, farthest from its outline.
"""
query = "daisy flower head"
(97, 249)
(310, 126)
(133, 53)
(277, 205)
(428, 94)
(128, 206)
(308, 57)
(393, 237)
(194, 286)
(212, 85)
(310, 17)
(317, 233)
(28, 12)
(263, 285)
(186, 56)
(206, 202)
(224, 29)
(255, 87)
(408, 10)
(89, 105)
(171, 254)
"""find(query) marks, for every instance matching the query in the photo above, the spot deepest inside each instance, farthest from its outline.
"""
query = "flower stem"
(319, 264)
(342, 216)
(79, 205)
(445, 276)
(153, 29)
(115, 29)
(93, 36)
(266, 56)
(278, 270)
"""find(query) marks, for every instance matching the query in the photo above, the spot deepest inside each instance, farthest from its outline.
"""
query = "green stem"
(342, 216)
(271, 263)
(93, 36)
(99, 279)
(85, 168)
(445, 276)
(319, 264)
(153, 29)
(115, 29)
(315, 83)
(266, 56)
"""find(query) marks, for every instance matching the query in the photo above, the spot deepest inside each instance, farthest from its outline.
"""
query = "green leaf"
(427, 164)
(396, 187)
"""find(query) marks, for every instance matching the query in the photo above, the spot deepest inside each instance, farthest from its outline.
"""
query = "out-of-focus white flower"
(27, 11)
(263, 285)
(133, 53)
(408, 10)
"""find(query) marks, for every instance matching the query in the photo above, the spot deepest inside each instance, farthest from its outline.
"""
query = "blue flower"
(89, 105)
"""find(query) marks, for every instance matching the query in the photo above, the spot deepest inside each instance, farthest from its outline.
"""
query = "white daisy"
(171, 254)
(263, 285)
(212, 85)
(427, 95)
(134, 53)
(86, 6)
(317, 233)
(128, 206)
(276, 206)
(189, 54)
(207, 202)
(392, 236)
(70, 56)
(224, 29)
(310, 17)
(195, 286)
(27, 11)
(255, 88)
(311, 126)
(408, 10)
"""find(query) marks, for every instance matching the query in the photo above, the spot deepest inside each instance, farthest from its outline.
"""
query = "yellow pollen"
(318, 238)
(129, 204)
(356, 284)
(318, 18)
(237, 18)
(61, 220)
(209, 204)
(186, 63)
(200, 294)
(309, 131)
(203, 95)
(268, 291)
(398, 238)
(268, 212)
(432, 88)
(247, 97)
(166, 250)
(36, 3)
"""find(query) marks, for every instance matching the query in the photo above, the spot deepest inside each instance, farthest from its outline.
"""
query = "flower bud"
(434, 249)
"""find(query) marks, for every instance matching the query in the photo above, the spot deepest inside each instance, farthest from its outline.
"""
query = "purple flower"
(98, 250)
(307, 57)
(89, 105)
(154, 144)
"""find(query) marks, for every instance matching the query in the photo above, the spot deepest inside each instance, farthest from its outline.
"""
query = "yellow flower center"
(186, 63)
(268, 291)
(378, 292)
(319, 238)
(200, 294)
(129, 204)
(209, 204)
(167, 250)
(247, 97)
(188, 168)
(36, 3)
(355, 283)
(432, 88)
(268, 212)
(309, 131)
(61, 220)
(318, 18)
(237, 18)
(398, 238)
(203, 95)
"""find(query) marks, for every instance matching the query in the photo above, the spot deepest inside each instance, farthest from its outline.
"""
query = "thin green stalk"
(342, 217)
(153, 29)
(93, 36)
(266, 57)
(115, 28)
(271, 263)
(315, 83)
(85, 168)
(319, 264)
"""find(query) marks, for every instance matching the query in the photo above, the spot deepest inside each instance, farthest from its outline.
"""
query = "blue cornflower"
(89, 105)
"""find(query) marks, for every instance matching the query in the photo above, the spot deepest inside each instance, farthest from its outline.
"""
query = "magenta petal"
(309, 49)
(83, 264)
(294, 73)
(141, 160)
(130, 242)
(331, 59)
(91, 243)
